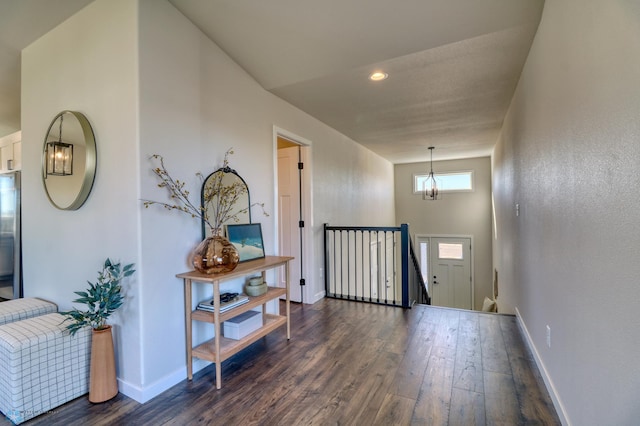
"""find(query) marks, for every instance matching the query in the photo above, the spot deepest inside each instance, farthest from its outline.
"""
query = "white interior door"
(450, 281)
(289, 216)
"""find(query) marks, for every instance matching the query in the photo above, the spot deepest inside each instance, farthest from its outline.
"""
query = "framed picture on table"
(247, 239)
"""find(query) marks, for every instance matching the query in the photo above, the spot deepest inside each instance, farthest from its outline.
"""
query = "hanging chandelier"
(430, 192)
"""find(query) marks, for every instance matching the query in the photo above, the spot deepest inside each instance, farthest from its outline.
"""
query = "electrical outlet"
(548, 336)
(517, 209)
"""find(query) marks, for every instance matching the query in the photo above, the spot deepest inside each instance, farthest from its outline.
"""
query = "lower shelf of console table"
(221, 348)
(229, 347)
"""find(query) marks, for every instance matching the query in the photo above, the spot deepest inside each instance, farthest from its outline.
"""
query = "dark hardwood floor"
(349, 363)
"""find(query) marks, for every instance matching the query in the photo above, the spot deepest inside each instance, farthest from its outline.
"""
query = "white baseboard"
(555, 398)
(147, 393)
(317, 296)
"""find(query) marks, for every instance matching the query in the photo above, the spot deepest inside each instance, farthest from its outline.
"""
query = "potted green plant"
(101, 299)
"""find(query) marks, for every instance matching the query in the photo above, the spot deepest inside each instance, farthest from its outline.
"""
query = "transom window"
(447, 182)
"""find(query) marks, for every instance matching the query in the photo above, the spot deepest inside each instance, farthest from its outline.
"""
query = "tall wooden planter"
(102, 377)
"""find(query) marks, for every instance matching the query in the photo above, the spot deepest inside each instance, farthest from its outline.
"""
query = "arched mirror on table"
(69, 160)
(235, 198)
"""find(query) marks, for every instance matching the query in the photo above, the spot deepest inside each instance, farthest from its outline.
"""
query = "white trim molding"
(557, 403)
(147, 393)
(307, 201)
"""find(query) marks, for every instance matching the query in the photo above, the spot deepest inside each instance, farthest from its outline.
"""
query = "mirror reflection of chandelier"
(59, 156)
(430, 185)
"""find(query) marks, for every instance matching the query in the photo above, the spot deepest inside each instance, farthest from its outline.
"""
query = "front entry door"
(450, 276)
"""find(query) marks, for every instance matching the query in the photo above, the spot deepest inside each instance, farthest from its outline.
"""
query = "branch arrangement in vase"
(218, 199)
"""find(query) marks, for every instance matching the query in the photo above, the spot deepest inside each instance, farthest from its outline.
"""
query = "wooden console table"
(220, 348)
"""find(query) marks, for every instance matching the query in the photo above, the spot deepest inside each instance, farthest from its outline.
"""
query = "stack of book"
(226, 303)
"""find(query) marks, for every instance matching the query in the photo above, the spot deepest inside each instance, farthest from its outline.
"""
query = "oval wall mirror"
(227, 178)
(69, 160)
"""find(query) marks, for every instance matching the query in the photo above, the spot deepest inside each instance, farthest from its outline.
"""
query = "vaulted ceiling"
(452, 65)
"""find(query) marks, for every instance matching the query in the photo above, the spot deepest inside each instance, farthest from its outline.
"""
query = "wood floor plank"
(410, 373)
(395, 410)
(345, 361)
(362, 408)
(397, 334)
(536, 406)
(447, 329)
(513, 341)
(494, 354)
(346, 366)
(433, 403)
(501, 403)
(351, 363)
(348, 362)
(468, 365)
(355, 389)
(467, 408)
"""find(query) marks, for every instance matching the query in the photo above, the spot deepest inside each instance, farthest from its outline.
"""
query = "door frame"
(308, 293)
(418, 237)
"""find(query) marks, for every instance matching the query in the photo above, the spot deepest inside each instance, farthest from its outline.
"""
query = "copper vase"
(102, 376)
(215, 255)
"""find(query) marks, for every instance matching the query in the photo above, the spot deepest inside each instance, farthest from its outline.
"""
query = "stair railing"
(372, 264)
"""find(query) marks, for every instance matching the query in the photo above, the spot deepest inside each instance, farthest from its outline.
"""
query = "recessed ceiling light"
(378, 75)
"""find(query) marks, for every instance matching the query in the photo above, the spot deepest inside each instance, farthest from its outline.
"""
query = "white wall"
(87, 64)
(461, 213)
(150, 82)
(195, 103)
(569, 155)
